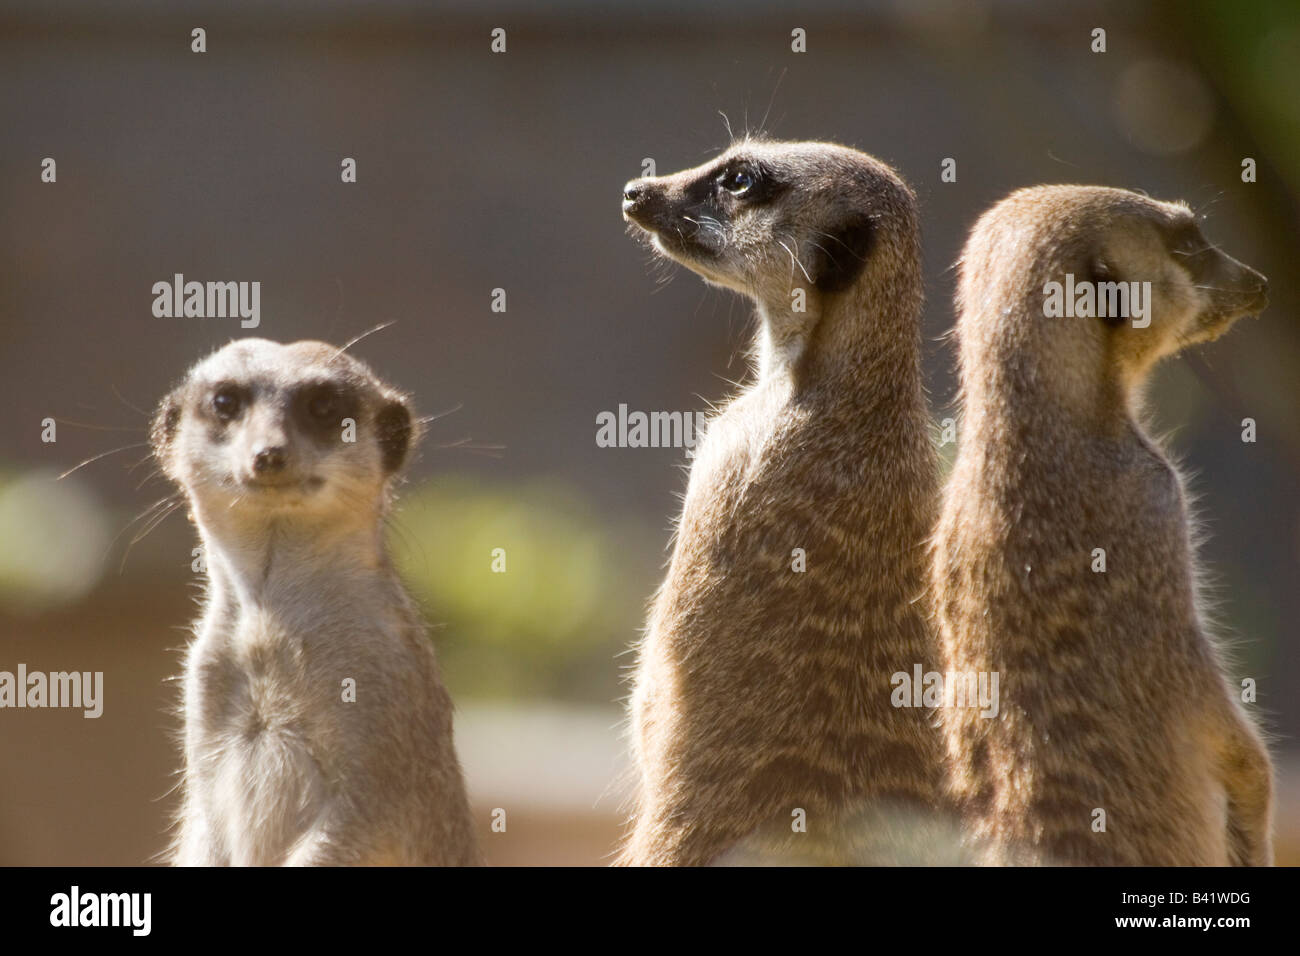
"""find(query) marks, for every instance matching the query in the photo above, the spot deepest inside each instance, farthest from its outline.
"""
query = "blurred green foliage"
(569, 600)
(1252, 52)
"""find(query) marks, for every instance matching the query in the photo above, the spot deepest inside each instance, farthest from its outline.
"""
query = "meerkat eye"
(227, 402)
(323, 405)
(1188, 241)
(737, 181)
(1099, 270)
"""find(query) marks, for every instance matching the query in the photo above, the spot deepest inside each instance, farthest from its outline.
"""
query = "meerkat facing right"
(1114, 697)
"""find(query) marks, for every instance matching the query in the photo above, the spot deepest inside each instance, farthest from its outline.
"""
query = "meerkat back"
(1063, 560)
(317, 727)
(762, 722)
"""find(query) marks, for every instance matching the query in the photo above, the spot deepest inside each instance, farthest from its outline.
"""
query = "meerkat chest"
(261, 736)
(733, 445)
(263, 677)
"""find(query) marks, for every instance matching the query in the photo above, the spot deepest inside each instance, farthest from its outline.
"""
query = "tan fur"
(761, 691)
(1113, 694)
(279, 769)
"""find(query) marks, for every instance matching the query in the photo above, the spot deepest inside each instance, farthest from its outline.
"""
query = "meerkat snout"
(269, 460)
(1233, 288)
(769, 218)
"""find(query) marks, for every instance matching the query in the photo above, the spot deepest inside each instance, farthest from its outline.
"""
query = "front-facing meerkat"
(317, 726)
(1063, 559)
(761, 712)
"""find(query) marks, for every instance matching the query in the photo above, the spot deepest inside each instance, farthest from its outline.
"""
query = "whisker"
(145, 515)
(479, 448)
(99, 428)
(378, 328)
(105, 454)
(149, 477)
(762, 124)
(123, 400)
(437, 415)
(794, 260)
(151, 524)
(841, 242)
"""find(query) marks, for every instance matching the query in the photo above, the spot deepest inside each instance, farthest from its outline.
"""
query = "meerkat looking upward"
(1063, 560)
(317, 727)
(761, 703)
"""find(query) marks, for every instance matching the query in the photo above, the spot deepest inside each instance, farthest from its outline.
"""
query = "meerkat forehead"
(277, 366)
(1066, 212)
(1038, 231)
(808, 166)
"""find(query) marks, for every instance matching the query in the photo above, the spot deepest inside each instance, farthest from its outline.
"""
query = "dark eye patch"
(1187, 240)
(321, 408)
(738, 180)
(741, 180)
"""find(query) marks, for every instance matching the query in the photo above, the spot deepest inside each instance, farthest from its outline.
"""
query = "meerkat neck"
(832, 343)
(249, 562)
(781, 340)
(1017, 386)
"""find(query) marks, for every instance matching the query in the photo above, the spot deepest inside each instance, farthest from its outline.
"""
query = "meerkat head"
(766, 218)
(1115, 280)
(263, 429)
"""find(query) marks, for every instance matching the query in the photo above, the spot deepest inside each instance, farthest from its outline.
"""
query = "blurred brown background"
(479, 171)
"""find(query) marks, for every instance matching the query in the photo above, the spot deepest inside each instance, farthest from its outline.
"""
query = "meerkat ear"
(838, 257)
(162, 430)
(394, 431)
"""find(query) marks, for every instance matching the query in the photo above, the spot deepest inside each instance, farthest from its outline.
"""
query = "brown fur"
(1114, 695)
(300, 595)
(759, 690)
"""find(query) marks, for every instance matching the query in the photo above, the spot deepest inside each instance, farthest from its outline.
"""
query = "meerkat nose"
(268, 461)
(635, 195)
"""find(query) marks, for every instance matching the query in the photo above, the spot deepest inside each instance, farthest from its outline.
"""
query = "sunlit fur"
(761, 691)
(278, 768)
(1114, 695)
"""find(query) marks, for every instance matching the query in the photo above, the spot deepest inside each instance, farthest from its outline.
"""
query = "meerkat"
(317, 727)
(1063, 559)
(761, 713)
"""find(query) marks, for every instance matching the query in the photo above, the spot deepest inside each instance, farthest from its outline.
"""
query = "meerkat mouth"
(699, 259)
(1214, 326)
(281, 488)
